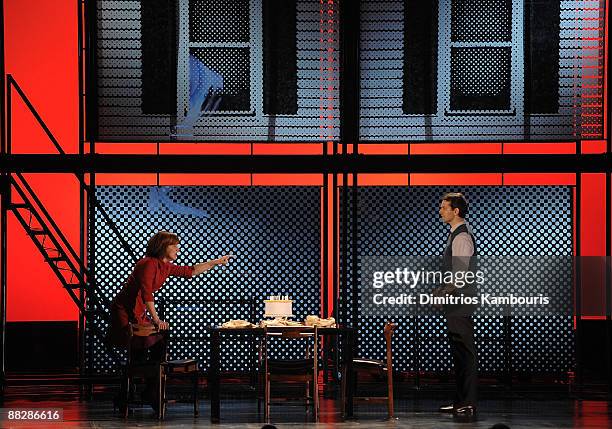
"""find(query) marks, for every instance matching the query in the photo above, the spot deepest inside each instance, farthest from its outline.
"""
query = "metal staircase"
(71, 270)
(55, 248)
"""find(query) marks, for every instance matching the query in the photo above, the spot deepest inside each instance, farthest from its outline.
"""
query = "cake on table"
(278, 306)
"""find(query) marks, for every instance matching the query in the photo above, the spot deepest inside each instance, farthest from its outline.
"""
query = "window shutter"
(279, 57)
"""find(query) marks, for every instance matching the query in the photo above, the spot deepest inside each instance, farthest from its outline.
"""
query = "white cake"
(278, 308)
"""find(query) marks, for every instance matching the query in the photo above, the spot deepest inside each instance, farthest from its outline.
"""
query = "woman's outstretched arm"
(205, 266)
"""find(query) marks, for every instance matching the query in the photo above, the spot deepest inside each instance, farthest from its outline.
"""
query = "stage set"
(351, 213)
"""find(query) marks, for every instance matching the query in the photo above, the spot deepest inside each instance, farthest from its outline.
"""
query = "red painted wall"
(41, 52)
(593, 243)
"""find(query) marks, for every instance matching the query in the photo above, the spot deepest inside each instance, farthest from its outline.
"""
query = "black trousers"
(153, 355)
(463, 350)
(150, 355)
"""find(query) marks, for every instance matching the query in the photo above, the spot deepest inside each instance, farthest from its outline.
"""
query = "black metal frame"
(299, 164)
(578, 283)
(608, 277)
(82, 193)
(88, 164)
(90, 300)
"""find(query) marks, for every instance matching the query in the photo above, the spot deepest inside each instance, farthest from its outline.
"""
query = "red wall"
(593, 244)
(41, 48)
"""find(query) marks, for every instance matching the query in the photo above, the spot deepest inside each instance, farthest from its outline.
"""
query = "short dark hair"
(457, 201)
(156, 247)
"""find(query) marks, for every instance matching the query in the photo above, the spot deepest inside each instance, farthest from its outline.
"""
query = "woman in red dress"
(134, 303)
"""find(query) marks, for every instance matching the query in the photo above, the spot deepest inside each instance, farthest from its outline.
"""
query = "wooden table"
(217, 334)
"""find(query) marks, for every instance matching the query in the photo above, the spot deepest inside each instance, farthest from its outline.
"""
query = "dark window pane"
(480, 78)
(481, 20)
(215, 21)
(542, 56)
(279, 57)
(159, 50)
(233, 64)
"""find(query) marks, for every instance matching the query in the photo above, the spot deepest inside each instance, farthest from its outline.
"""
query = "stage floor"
(519, 412)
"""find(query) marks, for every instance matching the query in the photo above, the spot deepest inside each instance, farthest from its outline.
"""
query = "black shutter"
(159, 56)
(279, 57)
(420, 56)
(542, 56)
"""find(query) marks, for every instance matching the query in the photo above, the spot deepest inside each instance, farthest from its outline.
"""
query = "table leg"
(214, 377)
(348, 362)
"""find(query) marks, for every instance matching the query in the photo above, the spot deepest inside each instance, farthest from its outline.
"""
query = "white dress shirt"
(463, 249)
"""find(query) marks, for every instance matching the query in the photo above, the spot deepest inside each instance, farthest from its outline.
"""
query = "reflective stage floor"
(541, 410)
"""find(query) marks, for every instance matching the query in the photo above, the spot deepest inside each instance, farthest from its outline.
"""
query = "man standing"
(460, 256)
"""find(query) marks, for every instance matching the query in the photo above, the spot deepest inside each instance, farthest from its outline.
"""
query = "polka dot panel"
(396, 36)
(228, 36)
(481, 20)
(98, 357)
(215, 21)
(516, 228)
(234, 64)
(382, 42)
(274, 232)
(480, 71)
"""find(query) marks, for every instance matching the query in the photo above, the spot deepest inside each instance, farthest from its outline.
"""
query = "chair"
(160, 370)
(183, 368)
(373, 367)
(295, 370)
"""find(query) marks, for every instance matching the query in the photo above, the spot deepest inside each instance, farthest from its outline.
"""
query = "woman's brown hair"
(156, 247)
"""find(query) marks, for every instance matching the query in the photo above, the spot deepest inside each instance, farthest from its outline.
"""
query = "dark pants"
(152, 355)
(463, 350)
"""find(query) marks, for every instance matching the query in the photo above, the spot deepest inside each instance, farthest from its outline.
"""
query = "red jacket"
(129, 305)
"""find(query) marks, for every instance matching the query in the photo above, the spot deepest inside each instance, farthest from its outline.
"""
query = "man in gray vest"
(460, 256)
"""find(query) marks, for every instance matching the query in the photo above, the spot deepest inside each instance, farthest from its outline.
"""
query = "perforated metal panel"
(227, 37)
(234, 64)
(273, 231)
(480, 79)
(481, 20)
(509, 222)
(464, 30)
(212, 21)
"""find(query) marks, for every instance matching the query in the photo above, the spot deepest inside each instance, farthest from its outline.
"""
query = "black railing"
(66, 259)
(66, 253)
(12, 83)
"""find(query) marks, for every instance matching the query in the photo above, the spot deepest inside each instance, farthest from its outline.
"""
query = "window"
(481, 57)
(216, 57)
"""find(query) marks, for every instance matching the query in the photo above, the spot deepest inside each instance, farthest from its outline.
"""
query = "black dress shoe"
(465, 411)
(447, 408)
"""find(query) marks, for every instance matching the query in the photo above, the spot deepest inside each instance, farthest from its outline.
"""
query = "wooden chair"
(374, 367)
(295, 370)
(134, 370)
(160, 370)
(183, 368)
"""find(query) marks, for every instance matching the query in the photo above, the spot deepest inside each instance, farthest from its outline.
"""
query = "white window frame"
(255, 53)
(516, 111)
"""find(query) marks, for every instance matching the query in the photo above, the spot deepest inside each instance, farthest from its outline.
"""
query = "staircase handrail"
(12, 83)
(102, 299)
(47, 217)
